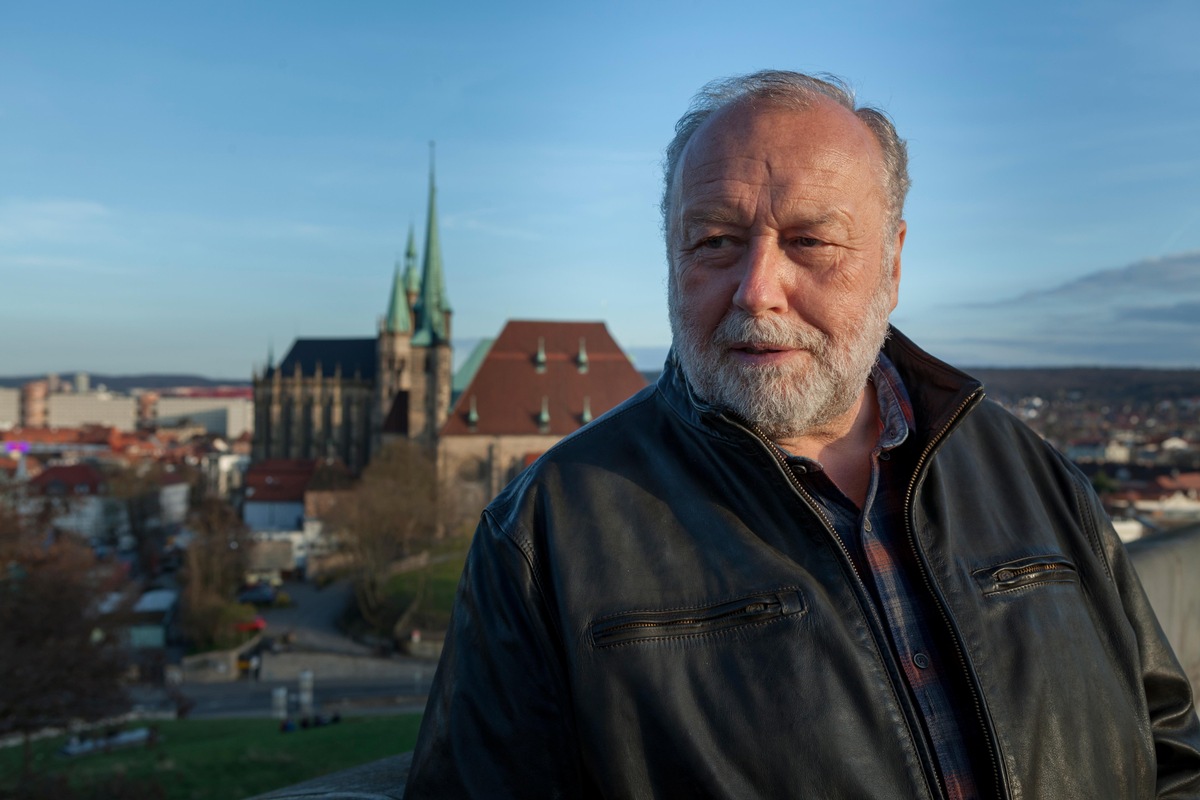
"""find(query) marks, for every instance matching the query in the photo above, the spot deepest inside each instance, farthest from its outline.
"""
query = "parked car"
(260, 594)
(252, 625)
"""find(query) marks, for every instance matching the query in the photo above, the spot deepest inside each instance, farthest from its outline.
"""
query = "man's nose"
(761, 285)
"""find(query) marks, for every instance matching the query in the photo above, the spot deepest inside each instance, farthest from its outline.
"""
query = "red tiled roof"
(279, 480)
(246, 392)
(1185, 482)
(71, 478)
(508, 388)
(41, 435)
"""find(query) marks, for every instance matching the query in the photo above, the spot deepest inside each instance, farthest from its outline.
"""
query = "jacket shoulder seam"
(1089, 522)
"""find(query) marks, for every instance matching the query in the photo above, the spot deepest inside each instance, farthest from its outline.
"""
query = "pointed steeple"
(397, 315)
(433, 307)
(412, 278)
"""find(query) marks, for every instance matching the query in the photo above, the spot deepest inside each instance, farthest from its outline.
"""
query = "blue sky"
(182, 184)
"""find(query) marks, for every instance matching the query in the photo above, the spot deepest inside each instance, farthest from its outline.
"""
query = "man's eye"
(806, 241)
(714, 242)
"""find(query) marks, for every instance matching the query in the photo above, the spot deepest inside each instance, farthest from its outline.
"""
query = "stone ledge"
(378, 780)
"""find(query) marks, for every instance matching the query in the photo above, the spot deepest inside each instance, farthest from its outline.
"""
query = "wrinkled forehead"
(773, 134)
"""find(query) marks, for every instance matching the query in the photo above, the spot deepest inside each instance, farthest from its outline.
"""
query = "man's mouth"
(757, 348)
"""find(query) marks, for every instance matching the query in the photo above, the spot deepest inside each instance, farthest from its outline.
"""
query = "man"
(812, 561)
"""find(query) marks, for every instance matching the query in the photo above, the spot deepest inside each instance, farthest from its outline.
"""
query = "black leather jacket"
(657, 609)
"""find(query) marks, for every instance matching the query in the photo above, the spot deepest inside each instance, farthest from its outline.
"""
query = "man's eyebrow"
(723, 215)
(719, 215)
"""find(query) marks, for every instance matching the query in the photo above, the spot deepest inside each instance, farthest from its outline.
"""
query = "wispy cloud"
(1146, 313)
(1166, 276)
(24, 220)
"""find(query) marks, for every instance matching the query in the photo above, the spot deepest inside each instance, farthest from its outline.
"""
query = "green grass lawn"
(442, 577)
(227, 759)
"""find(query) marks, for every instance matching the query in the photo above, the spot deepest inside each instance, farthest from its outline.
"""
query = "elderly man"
(812, 561)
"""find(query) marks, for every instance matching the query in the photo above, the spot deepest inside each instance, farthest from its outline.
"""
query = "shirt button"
(801, 469)
(921, 660)
(885, 455)
(867, 526)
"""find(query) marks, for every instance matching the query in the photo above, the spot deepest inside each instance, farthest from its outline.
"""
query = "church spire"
(397, 315)
(412, 278)
(433, 307)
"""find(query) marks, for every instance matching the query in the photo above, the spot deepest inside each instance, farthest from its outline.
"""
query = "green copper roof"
(397, 315)
(432, 304)
(466, 372)
(412, 279)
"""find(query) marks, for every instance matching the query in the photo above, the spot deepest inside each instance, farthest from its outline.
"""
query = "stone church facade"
(344, 397)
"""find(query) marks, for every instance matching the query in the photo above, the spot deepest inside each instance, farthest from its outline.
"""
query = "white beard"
(784, 401)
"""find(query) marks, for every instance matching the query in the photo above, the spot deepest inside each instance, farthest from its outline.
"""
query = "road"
(347, 677)
(346, 697)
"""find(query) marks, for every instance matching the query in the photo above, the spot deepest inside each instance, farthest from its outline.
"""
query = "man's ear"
(894, 267)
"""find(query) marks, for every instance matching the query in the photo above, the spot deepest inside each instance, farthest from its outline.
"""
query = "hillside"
(1095, 384)
(125, 383)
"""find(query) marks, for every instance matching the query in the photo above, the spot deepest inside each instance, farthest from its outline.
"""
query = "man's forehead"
(772, 130)
(819, 150)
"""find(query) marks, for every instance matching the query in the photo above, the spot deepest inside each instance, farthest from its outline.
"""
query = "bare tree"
(135, 490)
(214, 568)
(58, 660)
(391, 514)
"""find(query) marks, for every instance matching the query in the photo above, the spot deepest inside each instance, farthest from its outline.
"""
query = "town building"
(76, 497)
(228, 417)
(75, 409)
(33, 404)
(341, 398)
(10, 408)
(539, 381)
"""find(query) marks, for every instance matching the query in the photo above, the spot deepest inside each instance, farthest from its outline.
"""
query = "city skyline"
(184, 188)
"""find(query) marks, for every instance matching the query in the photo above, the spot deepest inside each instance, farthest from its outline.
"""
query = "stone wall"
(1169, 566)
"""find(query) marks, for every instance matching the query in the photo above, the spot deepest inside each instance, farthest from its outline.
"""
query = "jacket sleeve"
(498, 721)
(1169, 701)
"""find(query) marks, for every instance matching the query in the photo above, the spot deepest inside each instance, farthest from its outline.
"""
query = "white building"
(225, 416)
(10, 408)
(93, 408)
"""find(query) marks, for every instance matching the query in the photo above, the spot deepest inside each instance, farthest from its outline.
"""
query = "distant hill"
(1108, 384)
(124, 383)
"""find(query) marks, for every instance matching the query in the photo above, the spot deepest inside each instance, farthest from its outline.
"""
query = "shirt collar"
(895, 411)
(895, 408)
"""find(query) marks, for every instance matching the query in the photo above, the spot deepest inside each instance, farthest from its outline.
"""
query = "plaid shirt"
(874, 536)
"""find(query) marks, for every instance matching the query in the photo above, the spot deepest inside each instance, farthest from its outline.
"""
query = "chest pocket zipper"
(1026, 572)
(692, 622)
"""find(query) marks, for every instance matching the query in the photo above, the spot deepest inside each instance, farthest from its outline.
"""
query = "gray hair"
(797, 91)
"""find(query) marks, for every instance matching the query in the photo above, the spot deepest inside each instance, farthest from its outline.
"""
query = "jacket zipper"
(814, 506)
(1009, 577)
(1036, 570)
(933, 444)
(666, 624)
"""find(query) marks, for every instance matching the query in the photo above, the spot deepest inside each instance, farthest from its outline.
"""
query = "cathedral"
(342, 398)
